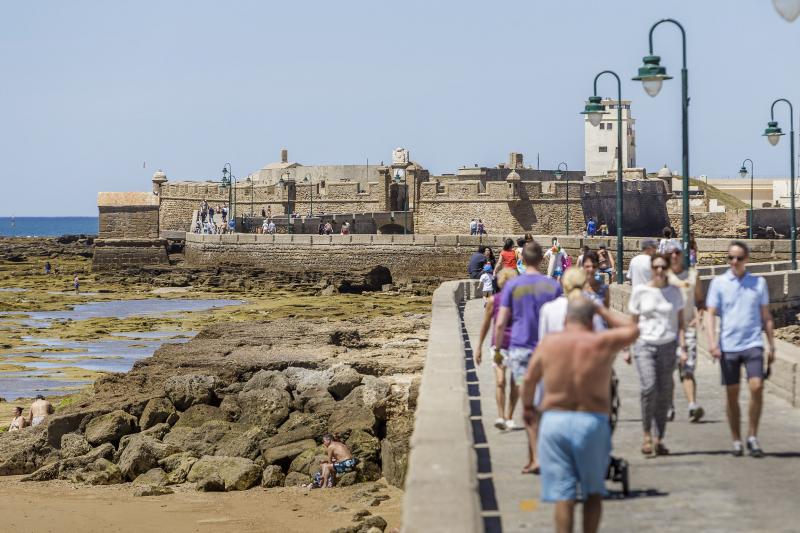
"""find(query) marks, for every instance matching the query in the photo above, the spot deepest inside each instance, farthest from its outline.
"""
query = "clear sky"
(91, 89)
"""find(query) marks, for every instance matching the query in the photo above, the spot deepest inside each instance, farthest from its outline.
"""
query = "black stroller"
(617, 466)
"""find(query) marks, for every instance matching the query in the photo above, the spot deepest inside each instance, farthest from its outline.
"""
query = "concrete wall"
(441, 490)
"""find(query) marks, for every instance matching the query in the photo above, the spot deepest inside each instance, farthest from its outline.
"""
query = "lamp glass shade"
(594, 110)
(773, 133)
(558, 174)
(652, 86)
(773, 138)
(281, 182)
(594, 118)
(788, 9)
(743, 172)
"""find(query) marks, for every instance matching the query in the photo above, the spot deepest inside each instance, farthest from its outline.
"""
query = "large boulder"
(23, 452)
(268, 407)
(353, 413)
(242, 445)
(74, 445)
(344, 379)
(286, 451)
(157, 432)
(301, 379)
(153, 477)
(308, 461)
(99, 472)
(299, 426)
(295, 479)
(141, 454)
(364, 446)
(177, 466)
(395, 448)
(110, 427)
(191, 389)
(236, 473)
(58, 425)
(204, 439)
(375, 395)
(157, 411)
(315, 400)
(266, 379)
(199, 414)
(272, 476)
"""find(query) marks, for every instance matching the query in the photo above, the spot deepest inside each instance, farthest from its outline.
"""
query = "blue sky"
(93, 89)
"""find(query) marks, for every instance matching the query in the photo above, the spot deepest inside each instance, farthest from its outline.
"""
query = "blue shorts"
(344, 466)
(731, 365)
(574, 450)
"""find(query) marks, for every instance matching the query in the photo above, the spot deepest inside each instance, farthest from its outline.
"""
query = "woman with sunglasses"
(657, 306)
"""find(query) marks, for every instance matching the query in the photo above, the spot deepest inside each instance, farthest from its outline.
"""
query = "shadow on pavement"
(641, 493)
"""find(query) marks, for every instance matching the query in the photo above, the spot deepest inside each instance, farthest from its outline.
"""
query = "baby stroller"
(617, 466)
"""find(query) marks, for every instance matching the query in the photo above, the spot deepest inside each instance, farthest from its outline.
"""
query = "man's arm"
(711, 332)
(769, 327)
(487, 323)
(682, 337)
(611, 260)
(500, 326)
(618, 338)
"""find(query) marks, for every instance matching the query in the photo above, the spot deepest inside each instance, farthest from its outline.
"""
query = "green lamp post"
(558, 173)
(229, 182)
(773, 134)
(743, 175)
(402, 179)
(284, 183)
(652, 75)
(594, 112)
(309, 181)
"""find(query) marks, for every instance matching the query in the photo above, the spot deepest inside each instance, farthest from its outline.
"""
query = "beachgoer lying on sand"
(40, 408)
(18, 422)
(339, 461)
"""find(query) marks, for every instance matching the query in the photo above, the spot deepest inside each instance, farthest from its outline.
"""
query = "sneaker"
(671, 414)
(500, 423)
(696, 413)
(753, 447)
(738, 451)
(510, 425)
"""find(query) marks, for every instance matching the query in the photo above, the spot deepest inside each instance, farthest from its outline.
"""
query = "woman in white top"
(18, 422)
(657, 306)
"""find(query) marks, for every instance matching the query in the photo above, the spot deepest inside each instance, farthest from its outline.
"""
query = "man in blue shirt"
(741, 301)
(591, 227)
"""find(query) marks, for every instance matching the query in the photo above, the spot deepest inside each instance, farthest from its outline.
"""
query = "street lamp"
(309, 181)
(652, 75)
(743, 175)
(594, 111)
(250, 181)
(397, 177)
(285, 185)
(773, 134)
(229, 182)
(788, 9)
(558, 173)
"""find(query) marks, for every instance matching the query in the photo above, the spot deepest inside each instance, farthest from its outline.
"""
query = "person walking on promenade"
(591, 227)
(658, 309)
(575, 431)
(487, 283)
(639, 269)
(505, 412)
(741, 300)
(686, 281)
(508, 257)
(520, 303)
(606, 263)
(596, 288)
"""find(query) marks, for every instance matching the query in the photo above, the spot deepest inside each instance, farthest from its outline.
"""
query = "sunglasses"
(660, 267)
(736, 258)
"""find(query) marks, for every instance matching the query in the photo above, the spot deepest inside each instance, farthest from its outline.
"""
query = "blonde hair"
(506, 274)
(573, 281)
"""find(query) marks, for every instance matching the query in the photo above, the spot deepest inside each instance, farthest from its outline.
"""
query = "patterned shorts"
(517, 361)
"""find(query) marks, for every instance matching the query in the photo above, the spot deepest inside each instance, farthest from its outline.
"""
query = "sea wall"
(114, 254)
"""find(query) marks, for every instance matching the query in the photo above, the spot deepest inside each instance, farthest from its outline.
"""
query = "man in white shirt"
(639, 270)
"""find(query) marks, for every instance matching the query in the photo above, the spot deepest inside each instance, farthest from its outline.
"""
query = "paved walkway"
(700, 487)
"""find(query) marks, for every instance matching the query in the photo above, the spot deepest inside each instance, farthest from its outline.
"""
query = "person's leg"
(756, 401)
(533, 433)
(730, 366)
(644, 356)
(500, 389)
(592, 511)
(732, 394)
(513, 396)
(665, 365)
(565, 515)
(326, 470)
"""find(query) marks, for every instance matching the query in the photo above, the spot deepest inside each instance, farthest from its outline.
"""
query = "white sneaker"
(510, 425)
(500, 423)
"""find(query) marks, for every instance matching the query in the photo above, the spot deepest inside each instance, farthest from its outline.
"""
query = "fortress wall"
(339, 198)
(644, 205)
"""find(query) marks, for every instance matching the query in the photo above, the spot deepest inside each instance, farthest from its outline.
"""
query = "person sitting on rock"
(40, 408)
(339, 461)
(18, 422)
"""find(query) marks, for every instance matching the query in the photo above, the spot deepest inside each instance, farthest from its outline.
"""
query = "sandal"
(647, 448)
(531, 470)
(661, 449)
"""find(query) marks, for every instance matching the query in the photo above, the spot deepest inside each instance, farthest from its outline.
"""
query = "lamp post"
(285, 184)
(558, 173)
(788, 9)
(397, 177)
(309, 181)
(652, 74)
(743, 174)
(229, 182)
(250, 181)
(594, 111)
(773, 134)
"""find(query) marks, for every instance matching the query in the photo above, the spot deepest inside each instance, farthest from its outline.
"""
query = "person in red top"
(508, 258)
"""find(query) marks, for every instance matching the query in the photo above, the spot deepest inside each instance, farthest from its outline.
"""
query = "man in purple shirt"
(521, 300)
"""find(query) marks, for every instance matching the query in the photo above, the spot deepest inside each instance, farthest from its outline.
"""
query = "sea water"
(47, 226)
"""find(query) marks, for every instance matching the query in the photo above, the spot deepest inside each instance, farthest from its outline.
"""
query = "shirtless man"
(40, 408)
(339, 460)
(574, 429)
(18, 422)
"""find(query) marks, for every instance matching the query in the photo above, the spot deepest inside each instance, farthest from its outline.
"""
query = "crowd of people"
(38, 412)
(554, 339)
(211, 219)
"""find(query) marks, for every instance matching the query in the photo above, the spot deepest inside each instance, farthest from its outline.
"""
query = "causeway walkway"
(699, 487)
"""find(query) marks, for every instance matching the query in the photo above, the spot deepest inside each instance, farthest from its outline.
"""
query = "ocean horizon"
(47, 226)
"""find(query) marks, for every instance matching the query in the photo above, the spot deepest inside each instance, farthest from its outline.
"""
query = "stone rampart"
(114, 254)
(643, 201)
(132, 215)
